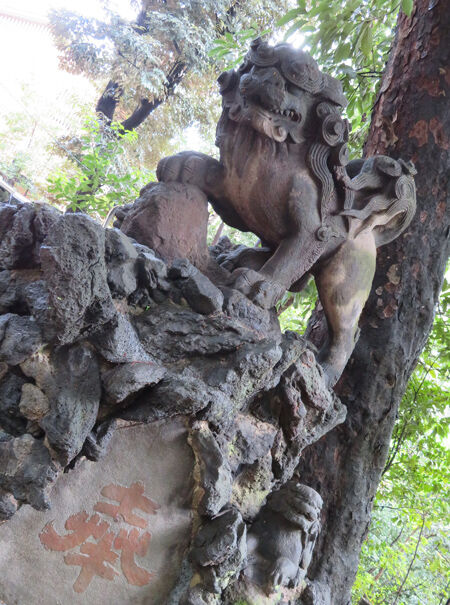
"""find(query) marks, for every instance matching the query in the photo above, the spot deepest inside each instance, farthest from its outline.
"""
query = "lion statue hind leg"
(343, 284)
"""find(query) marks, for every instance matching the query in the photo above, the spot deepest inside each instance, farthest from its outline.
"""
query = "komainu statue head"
(279, 91)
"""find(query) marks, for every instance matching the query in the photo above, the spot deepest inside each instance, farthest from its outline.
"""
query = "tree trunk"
(410, 121)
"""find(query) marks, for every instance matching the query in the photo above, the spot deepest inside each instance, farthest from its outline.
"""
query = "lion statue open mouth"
(284, 175)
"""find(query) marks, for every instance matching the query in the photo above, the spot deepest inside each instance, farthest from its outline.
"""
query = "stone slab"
(149, 469)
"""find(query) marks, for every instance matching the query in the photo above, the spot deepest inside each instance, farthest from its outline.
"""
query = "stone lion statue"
(284, 174)
(282, 539)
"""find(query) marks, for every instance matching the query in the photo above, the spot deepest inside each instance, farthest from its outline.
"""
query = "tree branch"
(107, 103)
(146, 107)
(286, 305)
(218, 233)
(399, 591)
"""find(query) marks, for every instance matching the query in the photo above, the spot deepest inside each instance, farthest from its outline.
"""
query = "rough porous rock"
(122, 381)
(73, 391)
(8, 505)
(214, 484)
(97, 442)
(11, 418)
(201, 294)
(20, 337)
(27, 470)
(16, 236)
(219, 550)
(121, 262)
(118, 342)
(73, 263)
(171, 332)
(33, 403)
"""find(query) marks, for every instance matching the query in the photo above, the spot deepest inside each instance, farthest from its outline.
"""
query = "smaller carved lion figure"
(282, 539)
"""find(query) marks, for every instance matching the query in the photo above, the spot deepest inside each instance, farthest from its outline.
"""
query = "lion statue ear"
(227, 80)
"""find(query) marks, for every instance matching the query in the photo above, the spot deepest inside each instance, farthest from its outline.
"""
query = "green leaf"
(407, 6)
(366, 39)
(289, 16)
(294, 27)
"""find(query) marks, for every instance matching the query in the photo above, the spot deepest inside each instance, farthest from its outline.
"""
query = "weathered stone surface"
(27, 470)
(11, 419)
(181, 268)
(214, 480)
(8, 505)
(197, 596)
(38, 367)
(118, 342)
(8, 291)
(46, 220)
(179, 393)
(74, 393)
(201, 294)
(98, 441)
(16, 236)
(171, 219)
(20, 337)
(252, 485)
(152, 270)
(121, 263)
(252, 440)
(3, 369)
(22, 229)
(35, 295)
(154, 458)
(73, 263)
(33, 403)
(170, 332)
(250, 369)
(218, 391)
(238, 305)
(219, 550)
(130, 378)
(24, 292)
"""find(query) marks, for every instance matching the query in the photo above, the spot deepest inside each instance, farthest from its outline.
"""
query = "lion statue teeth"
(284, 175)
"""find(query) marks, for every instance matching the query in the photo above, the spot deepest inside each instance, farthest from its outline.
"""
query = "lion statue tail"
(387, 212)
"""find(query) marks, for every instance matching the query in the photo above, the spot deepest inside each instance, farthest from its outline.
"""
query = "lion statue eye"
(227, 80)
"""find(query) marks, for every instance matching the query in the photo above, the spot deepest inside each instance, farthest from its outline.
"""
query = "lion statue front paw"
(283, 573)
(263, 292)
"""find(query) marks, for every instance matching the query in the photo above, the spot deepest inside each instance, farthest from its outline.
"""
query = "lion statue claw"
(284, 175)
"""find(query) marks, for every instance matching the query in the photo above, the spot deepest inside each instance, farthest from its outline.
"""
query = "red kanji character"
(130, 543)
(94, 563)
(128, 498)
(81, 526)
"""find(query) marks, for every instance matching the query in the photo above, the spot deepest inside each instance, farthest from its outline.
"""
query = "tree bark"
(107, 103)
(410, 121)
